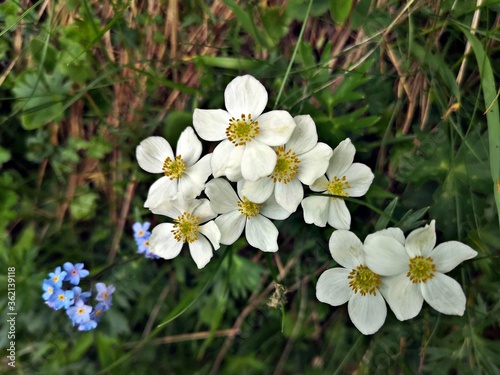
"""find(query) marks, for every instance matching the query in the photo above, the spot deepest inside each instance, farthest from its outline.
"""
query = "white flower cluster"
(269, 156)
(404, 272)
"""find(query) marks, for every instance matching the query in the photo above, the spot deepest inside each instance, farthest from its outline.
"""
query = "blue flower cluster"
(74, 300)
(141, 236)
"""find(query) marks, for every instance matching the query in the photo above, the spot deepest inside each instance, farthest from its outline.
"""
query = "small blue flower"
(88, 325)
(79, 313)
(62, 298)
(74, 272)
(79, 295)
(48, 287)
(99, 309)
(57, 277)
(142, 245)
(104, 293)
(141, 230)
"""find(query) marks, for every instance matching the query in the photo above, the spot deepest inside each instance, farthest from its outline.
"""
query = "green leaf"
(492, 114)
(384, 219)
(175, 124)
(40, 98)
(83, 206)
(340, 9)
(83, 343)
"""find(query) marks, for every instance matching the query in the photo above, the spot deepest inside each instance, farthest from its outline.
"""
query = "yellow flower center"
(421, 269)
(56, 279)
(242, 130)
(80, 311)
(98, 312)
(174, 168)
(186, 228)
(364, 281)
(287, 165)
(249, 209)
(140, 233)
(61, 297)
(337, 186)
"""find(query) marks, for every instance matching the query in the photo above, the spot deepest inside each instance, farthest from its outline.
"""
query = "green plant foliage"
(83, 83)
(40, 98)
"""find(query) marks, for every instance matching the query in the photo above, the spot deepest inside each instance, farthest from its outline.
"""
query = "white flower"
(416, 271)
(355, 283)
(167, 239)
(185, 172)
(346, 179)
(237, 214)
(301, 159)
(246, 133)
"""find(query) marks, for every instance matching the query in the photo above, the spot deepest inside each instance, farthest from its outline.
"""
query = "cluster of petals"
(74, 300)
(343, 179)
(269, 155)
(247, 135)
(414, 270)
(184, 172)
(193, 224)
(390, 268)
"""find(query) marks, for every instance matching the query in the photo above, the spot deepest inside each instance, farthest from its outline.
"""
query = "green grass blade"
(296, 49)
(492, 114)
(25, 13)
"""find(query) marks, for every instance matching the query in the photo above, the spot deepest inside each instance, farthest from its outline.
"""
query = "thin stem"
(289, 68)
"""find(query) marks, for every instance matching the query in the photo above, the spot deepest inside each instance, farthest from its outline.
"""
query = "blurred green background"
(82, 82)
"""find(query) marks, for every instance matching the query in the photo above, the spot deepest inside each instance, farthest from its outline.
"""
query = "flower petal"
(339, 216)
(233, 168)
(385, 255)
(201, 251)
(450, 254)
(444, 294)
(152, 152)
(421, 241)
(258, 161)
(395, 233)
(341, 160)
(220, 158)
(258, 191)
(162, 190)
(403, 296)
(211, 124)
(189, 146)
(231, 225)
(262, 234)
(212, 232)
(367, 312)
(245, 95)
(304, 136)
(360, 178)
(333, 287)
(346, 249)
(313, 164)
(204, 211)
(222, 196)
(273, 210)
(289, 195)
(276, 127)
(315, 210)
(320, 184)
(193, 180)
(163, 243)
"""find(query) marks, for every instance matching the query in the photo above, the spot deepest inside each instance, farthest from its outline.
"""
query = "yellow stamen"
(364, 281)
(287, 165)
(242, 130)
